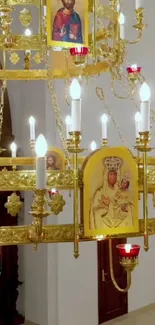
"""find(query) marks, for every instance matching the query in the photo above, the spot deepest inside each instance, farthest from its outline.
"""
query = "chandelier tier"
(105, 210)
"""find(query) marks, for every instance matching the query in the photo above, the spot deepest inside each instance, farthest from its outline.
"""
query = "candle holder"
(144, 142)
(74, 147)
(140, 26)
(134, 74)
(38, 212)
(128, 259)
(104, 143)
(79, 55)
(32, 145)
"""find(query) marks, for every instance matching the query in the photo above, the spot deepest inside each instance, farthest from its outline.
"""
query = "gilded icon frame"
(93, 162)
(59, 158)
(61, 44)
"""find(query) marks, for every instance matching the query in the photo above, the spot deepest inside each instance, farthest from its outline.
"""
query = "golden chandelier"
(58, 53)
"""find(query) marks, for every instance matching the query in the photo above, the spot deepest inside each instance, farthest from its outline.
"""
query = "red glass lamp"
(133, 72)
(128, 255)
(79, 55)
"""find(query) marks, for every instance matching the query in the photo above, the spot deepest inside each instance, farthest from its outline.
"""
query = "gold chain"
(100, 95)
(2, 106)
(58, 118)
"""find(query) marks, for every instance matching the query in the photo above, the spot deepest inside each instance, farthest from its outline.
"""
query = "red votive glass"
(127, 250)
(79, 51)
(133, 70)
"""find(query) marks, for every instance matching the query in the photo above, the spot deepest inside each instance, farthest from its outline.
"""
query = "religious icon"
(110, 193)
(67, 23)
(55, 159)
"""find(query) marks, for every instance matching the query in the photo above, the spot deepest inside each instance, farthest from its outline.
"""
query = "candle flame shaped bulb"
(13, 149)
(121, 19)
(145, 92)
(32, 127)
(93, 146)
(75, 89)
(104, 120)
(41, 146)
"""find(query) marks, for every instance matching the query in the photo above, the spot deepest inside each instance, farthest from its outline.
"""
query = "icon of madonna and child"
(114, 203)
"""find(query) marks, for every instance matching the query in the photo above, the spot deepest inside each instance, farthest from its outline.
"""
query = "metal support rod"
(94, 31)
(112, 272)
(145, 202)
(76, 221)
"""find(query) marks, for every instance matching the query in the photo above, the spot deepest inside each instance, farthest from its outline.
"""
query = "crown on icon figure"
(113, 163)
(126, 177)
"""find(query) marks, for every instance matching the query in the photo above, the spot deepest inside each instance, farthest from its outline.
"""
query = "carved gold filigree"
(25, 17)
(59, 234)
(37, 58)
(23, 42)
(14, 58)
(21, 2)
(13, 204)
(25, 180)
(56, 203)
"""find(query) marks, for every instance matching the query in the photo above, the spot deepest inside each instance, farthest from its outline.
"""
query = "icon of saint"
(51, 162)
(67, 26)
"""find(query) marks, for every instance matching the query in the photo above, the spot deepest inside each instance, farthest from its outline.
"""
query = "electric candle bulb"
(75, 92)
(93, 146)
(122, 22)
(145, 95)
(44, 10)
(41, 146)
(13, 149)
(68, 122)
(28, 32)
(104, 120)
(127, 248)
(32, 127)
(41, 150)
(145, 92)
(137, 124)
(75, 89)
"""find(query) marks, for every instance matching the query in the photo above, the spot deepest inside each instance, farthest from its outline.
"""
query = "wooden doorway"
(111, 302)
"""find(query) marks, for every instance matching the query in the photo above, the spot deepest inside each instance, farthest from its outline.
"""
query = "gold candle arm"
(112, 272)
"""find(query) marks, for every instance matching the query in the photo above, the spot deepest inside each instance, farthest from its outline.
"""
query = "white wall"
(65, 289)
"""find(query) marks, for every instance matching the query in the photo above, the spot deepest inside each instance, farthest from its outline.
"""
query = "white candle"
(145, 108)
(44, 10)
(41, 149)
(138, 4)
(32, 127)
(93, 146)
(104, 120)
(75, 92)
(127, 248)
(137, 124)
(122, 27)
(13, 149)
(68, 126)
